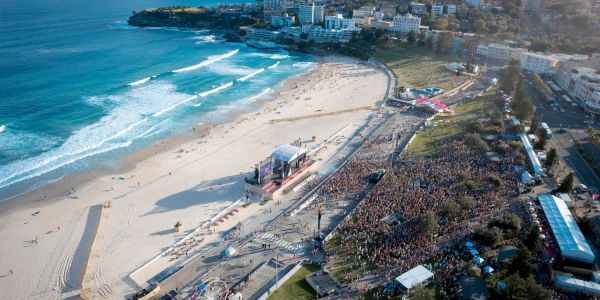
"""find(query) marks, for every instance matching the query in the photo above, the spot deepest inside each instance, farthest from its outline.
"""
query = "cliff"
(189, 17)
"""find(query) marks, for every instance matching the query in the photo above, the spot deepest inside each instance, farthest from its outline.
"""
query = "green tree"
(551, 157)
(475, 142)
(467, 203)
(566, 185)
(412, 37)
(521, 264)
(534, 126)
(429, 224)
(450, 209)
(532, 238)
(510, 75)
(422, 293)
(524, 288)
(487, 236)
(521, 105)
(443, 42)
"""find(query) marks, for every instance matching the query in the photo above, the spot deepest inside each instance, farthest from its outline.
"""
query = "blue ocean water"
(81, 87)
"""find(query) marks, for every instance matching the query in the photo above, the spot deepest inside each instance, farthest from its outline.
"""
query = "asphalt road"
(572, 121)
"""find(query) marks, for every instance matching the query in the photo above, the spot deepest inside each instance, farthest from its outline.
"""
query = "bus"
(548, 131)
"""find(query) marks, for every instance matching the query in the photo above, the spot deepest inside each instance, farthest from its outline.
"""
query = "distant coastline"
(189, 17)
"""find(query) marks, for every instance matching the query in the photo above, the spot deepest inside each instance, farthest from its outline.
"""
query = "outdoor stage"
(287, 166)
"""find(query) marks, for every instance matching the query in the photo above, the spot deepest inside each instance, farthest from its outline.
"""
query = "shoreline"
(77, 180)
(187, 184)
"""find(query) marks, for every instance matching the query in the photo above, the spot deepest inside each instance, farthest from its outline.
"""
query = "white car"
(582, 187)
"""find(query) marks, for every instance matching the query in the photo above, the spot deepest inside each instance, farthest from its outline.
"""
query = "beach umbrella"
(488, 269)
(478, 260)
(474, 252)
(469, 244)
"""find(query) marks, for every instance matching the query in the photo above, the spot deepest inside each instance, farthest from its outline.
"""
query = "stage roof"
(414, 277)
(571, 241)
(287, 153)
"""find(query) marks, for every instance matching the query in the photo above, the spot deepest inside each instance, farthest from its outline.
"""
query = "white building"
(320, 34)
(338, 22)
(437, 9)
(583, 84)
(378, 16)
(474, 3)
(497, 53)
(417, 8)
(538, 63)
(311, 14)
(365, 11)
(263, 35)
(451, 8)
(406, 23)
(282, 21)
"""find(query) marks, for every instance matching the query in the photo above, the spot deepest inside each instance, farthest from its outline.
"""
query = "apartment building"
(338, 22)
(406, 23)
(311, 14)
(538, 63)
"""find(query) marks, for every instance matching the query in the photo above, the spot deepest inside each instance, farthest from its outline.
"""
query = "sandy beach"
(47, 235)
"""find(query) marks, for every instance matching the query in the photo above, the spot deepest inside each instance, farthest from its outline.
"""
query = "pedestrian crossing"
(291, 248)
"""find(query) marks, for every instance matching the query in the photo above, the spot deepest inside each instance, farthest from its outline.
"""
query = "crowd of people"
(411, 188)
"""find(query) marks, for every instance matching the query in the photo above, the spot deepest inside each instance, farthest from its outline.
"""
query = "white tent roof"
(571, 241)
(537, 167)
(566, 198)
(414, 277)
(287, 153)
(574, 284)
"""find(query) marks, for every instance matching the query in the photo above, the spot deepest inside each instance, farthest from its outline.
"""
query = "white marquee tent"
(414, 277)
(571, 241)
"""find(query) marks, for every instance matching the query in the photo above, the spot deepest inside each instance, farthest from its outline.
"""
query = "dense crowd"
(410, 188)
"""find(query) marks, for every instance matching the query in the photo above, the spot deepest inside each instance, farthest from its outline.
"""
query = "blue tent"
(474, 252)
(469, 244)
(488, 269)
(478, 260)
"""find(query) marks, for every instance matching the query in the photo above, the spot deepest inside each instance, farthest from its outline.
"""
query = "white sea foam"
(211, 59)
(140, 82)
(273, 66)
(117, 129)
(225, 67)
(202, 39)
(304, 64)
(252, 74)
(257, 96)
(279, 56)
(269, 55)
(216, 90)
(2, 128)
(172, 107)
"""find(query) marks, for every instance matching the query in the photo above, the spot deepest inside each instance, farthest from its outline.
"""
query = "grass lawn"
(444, 127)
(296, 287)
(420, 67)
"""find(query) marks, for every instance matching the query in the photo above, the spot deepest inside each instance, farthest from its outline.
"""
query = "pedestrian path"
(291, 248)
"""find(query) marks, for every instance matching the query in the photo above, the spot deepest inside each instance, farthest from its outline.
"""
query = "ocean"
(82, 89)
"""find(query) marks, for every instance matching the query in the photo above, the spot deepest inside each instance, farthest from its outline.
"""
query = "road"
(572, 121)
